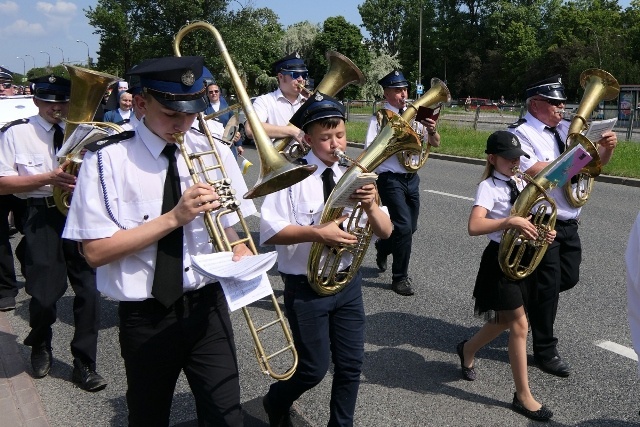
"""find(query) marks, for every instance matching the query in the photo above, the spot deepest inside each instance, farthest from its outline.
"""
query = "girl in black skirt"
(499, 299)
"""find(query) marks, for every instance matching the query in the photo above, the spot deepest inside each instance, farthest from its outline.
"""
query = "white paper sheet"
(243, 292)
(219, 265)
(598, 127)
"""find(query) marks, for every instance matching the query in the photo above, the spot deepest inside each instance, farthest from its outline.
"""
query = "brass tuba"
(87, 90)
(396, 136)
(517, 255)
(342, 72)
(437, 94)
(598, 86)
(276, 173)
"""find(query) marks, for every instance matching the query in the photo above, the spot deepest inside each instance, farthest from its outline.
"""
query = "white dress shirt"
(494, 195)
(27, 149)
(541, 146)
(275, 109)
(133, 179)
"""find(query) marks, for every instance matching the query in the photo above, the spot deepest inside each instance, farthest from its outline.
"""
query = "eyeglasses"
(214, 91)
(554, 102)
(295, 75)
(7, 85)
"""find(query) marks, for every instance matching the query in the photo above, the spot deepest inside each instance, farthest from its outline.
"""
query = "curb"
(620, 180)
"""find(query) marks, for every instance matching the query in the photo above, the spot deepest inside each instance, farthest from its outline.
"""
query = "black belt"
(407, 175)
(48, 201)
(207, 292)
(563, 222)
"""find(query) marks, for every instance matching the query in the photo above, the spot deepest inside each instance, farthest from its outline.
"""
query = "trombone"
(276, 173)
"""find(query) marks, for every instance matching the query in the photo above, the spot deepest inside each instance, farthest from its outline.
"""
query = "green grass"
(470, 143)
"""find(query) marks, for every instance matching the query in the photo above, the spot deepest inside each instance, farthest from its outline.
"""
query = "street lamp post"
(49, 56)
(32, 58)
(24, 67)
(61, 51)
(420, 49)
(88, 55)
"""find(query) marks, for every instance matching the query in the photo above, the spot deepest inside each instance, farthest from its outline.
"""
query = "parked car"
(483, 103)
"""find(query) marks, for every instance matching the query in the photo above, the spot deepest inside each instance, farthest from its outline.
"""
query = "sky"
(28, 27)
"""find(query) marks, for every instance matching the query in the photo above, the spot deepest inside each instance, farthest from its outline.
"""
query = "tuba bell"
(326, 279)
(342, 72)
(87, 90)
(276, 173)
(598, 86)
(437, 94)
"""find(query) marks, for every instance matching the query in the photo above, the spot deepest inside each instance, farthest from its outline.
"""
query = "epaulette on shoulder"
(518, 123)
(13, 123)
(122, 122)
(111, 139)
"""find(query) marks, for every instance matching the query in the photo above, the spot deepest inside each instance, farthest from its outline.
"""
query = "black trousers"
(10, 203)
(400, 193)
(195, 336)
(558, 271)
(324, 329)
(50, 259)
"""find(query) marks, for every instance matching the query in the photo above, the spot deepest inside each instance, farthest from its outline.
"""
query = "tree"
(340, 36)
(380, 64)
(383, 20)
(299, 37)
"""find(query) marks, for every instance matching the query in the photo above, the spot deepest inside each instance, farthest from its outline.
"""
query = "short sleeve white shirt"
(27, 149)
(275, 109)
(130, 194)
(494, 195)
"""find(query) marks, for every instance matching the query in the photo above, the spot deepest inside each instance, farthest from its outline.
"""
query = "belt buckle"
(50, 202)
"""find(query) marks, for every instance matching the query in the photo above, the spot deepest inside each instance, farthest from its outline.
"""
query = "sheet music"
(84, 134)
(240, 293)
(572, 163)
(343, 198)
(598, 127)
(219, 265)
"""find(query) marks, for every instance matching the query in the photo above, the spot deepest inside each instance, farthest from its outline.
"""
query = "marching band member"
(500, 299)
(276, 108)
(29, 168)
(542, 133)
(399, 190)
(140, 227)
(324, 328)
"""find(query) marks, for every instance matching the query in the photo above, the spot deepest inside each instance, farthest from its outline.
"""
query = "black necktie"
(559, 141)
(167, 279)
(327, 182)
(514, 192)
(58, 136)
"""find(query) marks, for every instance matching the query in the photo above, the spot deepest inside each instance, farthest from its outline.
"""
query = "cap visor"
(513, 154)
(190, 107)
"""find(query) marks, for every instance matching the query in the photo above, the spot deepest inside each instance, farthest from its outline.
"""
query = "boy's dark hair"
(327, 123)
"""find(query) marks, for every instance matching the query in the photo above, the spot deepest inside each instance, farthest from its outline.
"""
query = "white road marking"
(618, 349)
(449, 194)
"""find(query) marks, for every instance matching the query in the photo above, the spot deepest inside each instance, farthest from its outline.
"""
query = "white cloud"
(8, 7)
(22, 28)
(59, 8)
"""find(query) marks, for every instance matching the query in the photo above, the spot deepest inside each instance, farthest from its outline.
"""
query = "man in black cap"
(324, 327)
(276, 108)
(29, 168)
(141, 226)
(6, 84)
(542, 132)
(399, 189)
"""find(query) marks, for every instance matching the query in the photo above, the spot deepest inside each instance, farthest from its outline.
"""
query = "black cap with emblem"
(5, 76)
(292, 62)
(175, 82)
(551, 88)
(394, 79)
(319, 106)
(51, 88)
(505, 144)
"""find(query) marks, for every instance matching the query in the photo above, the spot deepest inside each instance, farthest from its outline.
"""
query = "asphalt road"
(411, 373)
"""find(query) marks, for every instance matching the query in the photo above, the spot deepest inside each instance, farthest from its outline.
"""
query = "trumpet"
(280, 174)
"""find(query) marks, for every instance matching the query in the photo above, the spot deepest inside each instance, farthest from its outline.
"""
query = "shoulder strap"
(111, 139)
(13, 123)
(518, 123)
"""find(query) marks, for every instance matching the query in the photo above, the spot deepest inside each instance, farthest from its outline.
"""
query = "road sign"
(420, 89)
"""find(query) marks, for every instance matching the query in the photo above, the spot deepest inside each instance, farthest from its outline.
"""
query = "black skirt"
(496, 296)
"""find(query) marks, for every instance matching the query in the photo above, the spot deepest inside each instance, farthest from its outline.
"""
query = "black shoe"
(7, 303)
(468, 374)
(381, 260)
(554, 366)
(276, 419)
(86, 377)
(542, 414)
(402, 287)
(41, 358)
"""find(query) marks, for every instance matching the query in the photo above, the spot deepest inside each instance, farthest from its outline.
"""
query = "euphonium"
(325, 279)
(437, 94)
(517, 255)
(274, 176)
(342, 72)
(87, 90)
(598, 86)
